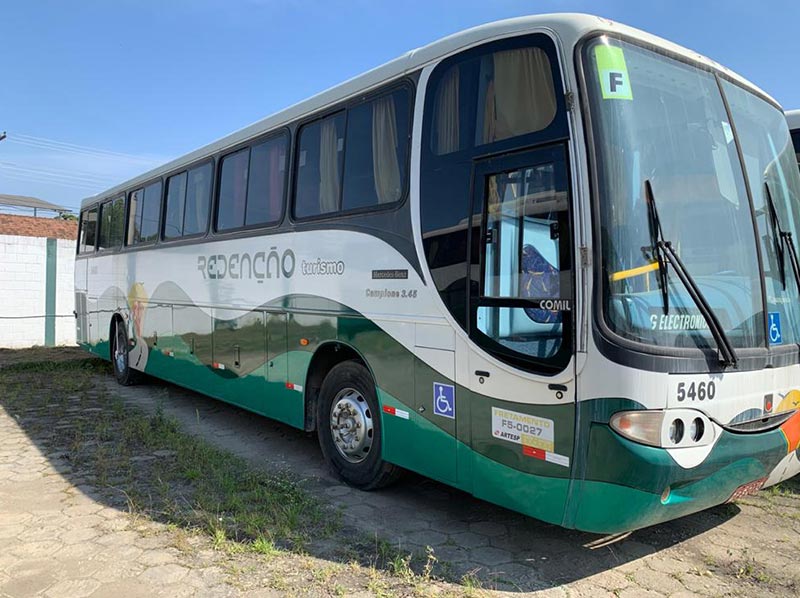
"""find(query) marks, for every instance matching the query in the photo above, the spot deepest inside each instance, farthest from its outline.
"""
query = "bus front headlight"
(640, 426)
(673, 428)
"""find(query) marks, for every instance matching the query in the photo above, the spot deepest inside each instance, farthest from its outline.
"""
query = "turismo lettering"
(322, 267)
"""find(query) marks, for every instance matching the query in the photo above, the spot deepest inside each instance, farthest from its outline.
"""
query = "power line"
(60, 183)
(73, 148)
(72, 174)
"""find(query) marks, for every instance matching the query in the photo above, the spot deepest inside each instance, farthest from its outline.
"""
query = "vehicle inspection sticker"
(535, 434)
(527, 430)
(615, 82)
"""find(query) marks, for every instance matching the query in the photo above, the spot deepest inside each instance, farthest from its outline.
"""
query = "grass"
(143, 462)
(162, 472)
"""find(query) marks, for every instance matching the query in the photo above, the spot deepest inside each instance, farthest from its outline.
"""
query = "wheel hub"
(351, 425)
(120, 350)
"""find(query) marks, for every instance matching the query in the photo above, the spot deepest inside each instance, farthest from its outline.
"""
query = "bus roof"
(793, 118)
(569, 27)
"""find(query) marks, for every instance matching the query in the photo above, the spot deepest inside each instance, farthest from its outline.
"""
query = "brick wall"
(22, 290)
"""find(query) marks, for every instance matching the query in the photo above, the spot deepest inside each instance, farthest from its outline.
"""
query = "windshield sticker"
(728, 131)
(686, 320)
(614, 80)
(775, 335)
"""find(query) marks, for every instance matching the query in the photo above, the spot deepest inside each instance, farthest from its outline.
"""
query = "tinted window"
(112, 222)
(375, 151)
(151, 212)
(320, 158)
(88, 230)
(465, 118)
(493, 97)
(144, 209)
(198, 200)
(134, 216)
(266, 181)
(233, 190)
(796, 142)
(104, 233)
(176, 199)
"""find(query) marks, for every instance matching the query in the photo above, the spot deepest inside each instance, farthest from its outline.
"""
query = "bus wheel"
(349, 427)
(119, 356)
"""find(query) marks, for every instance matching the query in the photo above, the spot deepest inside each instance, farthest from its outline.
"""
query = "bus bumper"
(628, 486)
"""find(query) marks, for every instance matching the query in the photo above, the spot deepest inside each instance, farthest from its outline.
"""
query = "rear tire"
(349, 428)
(125, 375)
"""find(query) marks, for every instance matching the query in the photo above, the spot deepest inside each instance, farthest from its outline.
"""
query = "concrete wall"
(24, 289)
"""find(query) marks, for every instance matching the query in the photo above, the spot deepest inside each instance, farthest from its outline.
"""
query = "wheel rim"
(352, 425)
(120, 350)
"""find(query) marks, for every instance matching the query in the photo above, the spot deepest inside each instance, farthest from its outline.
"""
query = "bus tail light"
(674, 428)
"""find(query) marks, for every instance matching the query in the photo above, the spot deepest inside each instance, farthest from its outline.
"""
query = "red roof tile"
(27, 226)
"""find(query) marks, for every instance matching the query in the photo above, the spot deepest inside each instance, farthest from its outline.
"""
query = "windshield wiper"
(665, 253)
(783, 241)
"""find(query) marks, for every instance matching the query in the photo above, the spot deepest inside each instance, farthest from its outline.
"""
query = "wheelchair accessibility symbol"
(775, 336)
(444, 400)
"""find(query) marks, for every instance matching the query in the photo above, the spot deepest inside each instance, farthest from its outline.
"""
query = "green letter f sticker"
(613, 72)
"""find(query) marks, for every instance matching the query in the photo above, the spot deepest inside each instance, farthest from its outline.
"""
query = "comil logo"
(259, 266)
(555, 304)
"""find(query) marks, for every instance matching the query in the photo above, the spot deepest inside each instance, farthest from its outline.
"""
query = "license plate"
(747, 489)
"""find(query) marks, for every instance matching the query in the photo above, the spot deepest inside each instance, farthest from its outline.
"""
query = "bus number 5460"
(700, 391)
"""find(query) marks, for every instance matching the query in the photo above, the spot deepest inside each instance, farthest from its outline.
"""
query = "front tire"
(126, 376)
(349, 427)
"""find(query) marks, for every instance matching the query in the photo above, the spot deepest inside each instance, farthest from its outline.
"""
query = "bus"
(549, 261)
(793, 118)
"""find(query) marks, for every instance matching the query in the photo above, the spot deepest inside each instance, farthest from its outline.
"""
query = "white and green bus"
(549, 261)
(793, 118)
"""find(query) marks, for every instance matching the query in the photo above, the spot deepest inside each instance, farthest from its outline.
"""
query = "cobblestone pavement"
(60, 538)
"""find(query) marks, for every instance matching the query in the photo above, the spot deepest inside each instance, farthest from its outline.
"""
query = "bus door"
(519, 365)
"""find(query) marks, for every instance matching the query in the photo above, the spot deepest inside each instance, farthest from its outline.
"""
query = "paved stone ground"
(59, 537)
(59, 541)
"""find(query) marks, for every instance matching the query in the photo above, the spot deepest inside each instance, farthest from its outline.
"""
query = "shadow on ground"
(468, 537)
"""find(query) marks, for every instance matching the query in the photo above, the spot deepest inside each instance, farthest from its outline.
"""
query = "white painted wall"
(22, 291)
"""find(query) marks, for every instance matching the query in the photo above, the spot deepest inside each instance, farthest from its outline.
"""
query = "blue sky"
(94, 92)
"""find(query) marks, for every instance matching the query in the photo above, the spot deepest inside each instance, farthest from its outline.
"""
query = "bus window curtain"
(385, 162)
(520, 99)
(447, 115)
(329, 183)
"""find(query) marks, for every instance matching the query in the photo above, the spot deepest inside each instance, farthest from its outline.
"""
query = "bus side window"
(376, 149)
(267, 175)
(88, 229)
(198, 200)
(176, 202)
(233, 190)
(104, 232)
(144, 214)
(320, 157)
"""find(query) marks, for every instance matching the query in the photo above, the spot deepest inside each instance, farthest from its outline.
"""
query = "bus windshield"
(663, 123)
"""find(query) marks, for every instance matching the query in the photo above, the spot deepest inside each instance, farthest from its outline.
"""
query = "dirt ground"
(154, 490)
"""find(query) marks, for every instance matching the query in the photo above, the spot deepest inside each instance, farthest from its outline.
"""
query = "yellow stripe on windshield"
(623, 274)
